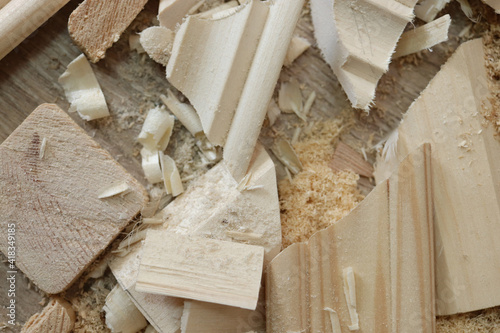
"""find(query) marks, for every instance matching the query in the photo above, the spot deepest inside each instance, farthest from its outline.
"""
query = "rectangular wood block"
(61, 225)
(201, 269)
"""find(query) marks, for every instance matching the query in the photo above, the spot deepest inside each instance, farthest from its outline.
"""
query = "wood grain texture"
(95, 25)
(202, 269)
(388, 242)
(61, 224)
(346, 158)
(57, 317)
(357, 40)
(466, 179)
(171, 12)
(19, 18)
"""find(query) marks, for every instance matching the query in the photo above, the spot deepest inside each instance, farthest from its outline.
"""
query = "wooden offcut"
(202, 269)
(61, 223)
(95, 25)
(385, 247)
(57, 317)
(465, 175)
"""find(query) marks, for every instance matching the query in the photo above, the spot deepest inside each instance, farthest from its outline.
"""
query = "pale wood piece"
(259, 86)
(298, 45)
(162, 312)
(346, 158)
(95, 25)
(466, 179)
(122, 316)
(57, 317)
(202, 317)
(423, 37)
(427, 10)
(210, 62)
(157, 42)
(202, 269)
(19, 18)
(495, 4)
(61, 224)
(171, 12)
(388, 242)
(3, 3)
(357, 40)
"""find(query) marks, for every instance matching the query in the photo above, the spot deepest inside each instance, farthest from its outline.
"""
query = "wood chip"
(57, 317)
(298, 45)
(122, 315)
(95, 25)
(157, 42)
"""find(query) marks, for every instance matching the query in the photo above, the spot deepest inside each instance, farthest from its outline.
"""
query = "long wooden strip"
(95, 25)
(19, 18)
(202, 269)
(423, 37)
(52, 199)
(357, 41)
(387, 241)
(466, 177)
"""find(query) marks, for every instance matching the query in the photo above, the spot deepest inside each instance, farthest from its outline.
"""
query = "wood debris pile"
(277, 235)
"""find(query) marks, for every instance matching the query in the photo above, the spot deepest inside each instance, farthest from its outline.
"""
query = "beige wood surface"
(466, 178)
(388, 242)
(202, 269)
(57, 317)
(67, 226)
(95, 25)
(346, 158)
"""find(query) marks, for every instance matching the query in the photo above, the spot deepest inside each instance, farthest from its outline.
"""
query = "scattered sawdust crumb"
(491, 41)
(486, 321)
(317, 196)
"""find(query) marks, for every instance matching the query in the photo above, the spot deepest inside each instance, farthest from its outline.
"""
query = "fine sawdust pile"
(492, 49)
(487, 321)
(317, 196)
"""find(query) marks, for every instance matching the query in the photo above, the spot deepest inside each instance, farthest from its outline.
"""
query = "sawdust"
(491, 40)
(317, 196)
(486, 321)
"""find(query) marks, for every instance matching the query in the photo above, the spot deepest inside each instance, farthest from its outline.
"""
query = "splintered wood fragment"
(290, 97)
(423, 37)
(83, 91)
(273, 112)
(298, 45)
(467, 209)
(201, 317)
(346, 158)
(427, 10)
(201, 269)
(43, 146)
(151, 165)
(359, 62)
(113, 189)
(171, 12)
(228, 67)
(284, 151)
(61, 231)
(57, 317)
(95, 25)
(122, 316)
(19, 18)
(157, 42)
(171, 177)
(134, 43)
(387, 240)
(157, 129)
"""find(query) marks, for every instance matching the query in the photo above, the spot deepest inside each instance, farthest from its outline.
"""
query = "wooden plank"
(466, 178)
(423, 37)
(202, 269)
(387, 241)
(359, 62)
(95, 25)
(346, 158)
(19, 18)
(57, 317)
(67, 225)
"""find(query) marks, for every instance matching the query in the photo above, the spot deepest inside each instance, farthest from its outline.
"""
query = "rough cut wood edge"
(171, 12)
(466, 179)
(202, 269)
(427, 10)
(19, 18)
(423, 37)
(357, 40)
(61, 224)
(346, 158)
(95, 25)
(388, 242)
(201, 317)
(57, 317)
